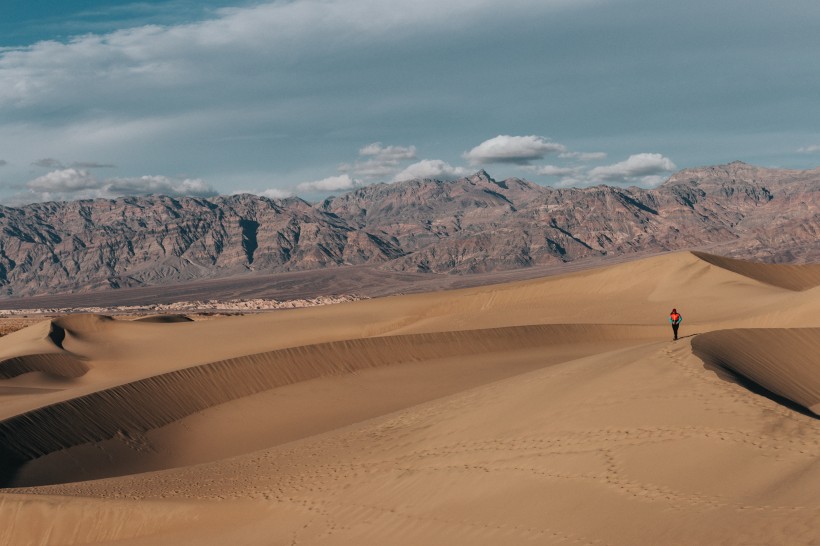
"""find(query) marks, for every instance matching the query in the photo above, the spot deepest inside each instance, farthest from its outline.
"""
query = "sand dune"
(130, 410)
(547, 411)
(791, 277)
(38, 350)
(785, 362)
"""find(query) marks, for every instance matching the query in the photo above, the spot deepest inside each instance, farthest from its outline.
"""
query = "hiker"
(675, 319)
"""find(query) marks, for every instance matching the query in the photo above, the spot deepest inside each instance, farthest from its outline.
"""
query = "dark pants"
(675, 330)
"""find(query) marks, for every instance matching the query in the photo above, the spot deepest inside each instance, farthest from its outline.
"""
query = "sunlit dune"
(547, 411)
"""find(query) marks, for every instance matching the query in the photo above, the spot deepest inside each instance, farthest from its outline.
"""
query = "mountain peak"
(483, 176)
(738, 172)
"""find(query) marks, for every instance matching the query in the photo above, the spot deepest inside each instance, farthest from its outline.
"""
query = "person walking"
(675, 319)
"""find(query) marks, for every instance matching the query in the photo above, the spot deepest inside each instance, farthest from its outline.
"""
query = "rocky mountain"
(478, 224)
(135, 241)
(469, 225)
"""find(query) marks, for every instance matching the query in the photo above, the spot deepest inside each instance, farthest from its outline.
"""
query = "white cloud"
(634, 169)
(813, 149)
(513, 149)
(64, 181)
(573, 182)
(388, 153)
(553, 170)
(274, 193)
(153, 58)
(431, 168)
(331, 183)
(373, 168)
(270, 193)
(583, 156)
(384, 161)
(651, 181)
(145, 185)
(310, 68)
(70, 183)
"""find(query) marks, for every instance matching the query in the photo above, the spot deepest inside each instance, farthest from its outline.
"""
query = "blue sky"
(311, 97)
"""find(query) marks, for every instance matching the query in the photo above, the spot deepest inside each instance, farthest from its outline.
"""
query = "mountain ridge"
(470, 225)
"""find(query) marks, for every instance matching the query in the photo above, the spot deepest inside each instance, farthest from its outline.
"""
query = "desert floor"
(547, 411)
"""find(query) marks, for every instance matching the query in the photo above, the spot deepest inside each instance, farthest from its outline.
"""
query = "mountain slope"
(737, 209)
(473, 224)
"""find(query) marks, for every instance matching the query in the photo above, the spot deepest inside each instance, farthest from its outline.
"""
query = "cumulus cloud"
(71, 183)
(64, 181)
(812, 149)
(147, 185)
(642, 168)
(651, 181)
(270, 193)
(384, 161)
(520, 150)
(331, 183)
(369, 169)
(431, 168)
(274, 193)
(554, 170)
(388, 153)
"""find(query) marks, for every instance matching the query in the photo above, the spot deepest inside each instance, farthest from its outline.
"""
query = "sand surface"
(545, 411)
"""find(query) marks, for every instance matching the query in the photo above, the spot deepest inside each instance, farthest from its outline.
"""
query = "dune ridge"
(796, 277)
(42, 351)
(139, 406)
(783, 361)
(55, 365)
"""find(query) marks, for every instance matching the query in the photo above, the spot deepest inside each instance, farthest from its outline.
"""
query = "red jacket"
(675, 318)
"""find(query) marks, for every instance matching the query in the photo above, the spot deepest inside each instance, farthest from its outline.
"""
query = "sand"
(546, 411)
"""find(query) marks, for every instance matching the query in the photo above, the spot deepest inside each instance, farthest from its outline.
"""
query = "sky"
(317, 97)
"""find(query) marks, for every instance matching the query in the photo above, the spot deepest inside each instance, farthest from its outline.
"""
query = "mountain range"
(470, 225)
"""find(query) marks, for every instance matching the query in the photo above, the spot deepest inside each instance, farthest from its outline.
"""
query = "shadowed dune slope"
(652, 448)
(791, 277)
(150, 403)
(39, 349)
(782, 361)
(53, 365)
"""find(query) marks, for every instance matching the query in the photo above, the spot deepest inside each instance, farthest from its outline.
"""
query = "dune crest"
(136, 407)
(790, 276)
(782, 361)
(61, 366)
(41, 350)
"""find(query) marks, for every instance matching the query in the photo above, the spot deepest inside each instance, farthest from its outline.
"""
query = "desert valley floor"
(547, 411)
